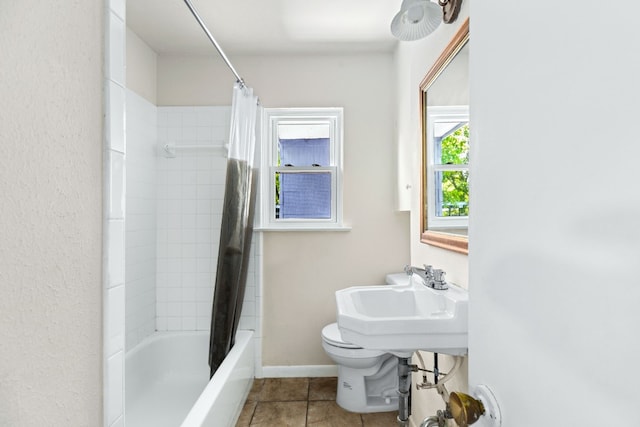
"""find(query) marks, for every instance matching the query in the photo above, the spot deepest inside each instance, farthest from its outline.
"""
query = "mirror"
(444, 112)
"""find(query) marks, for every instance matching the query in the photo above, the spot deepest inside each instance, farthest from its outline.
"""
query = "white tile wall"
(115, 240)
(190, 193)
(190, 199)
(115, 383)
(118, 7)
(115, 116)
(248, 318)
(115, 329)
(117, 190)
(116, 49)
(173, 211)
(173, 215)
(114, 215)
(141, 202)
(254, 288)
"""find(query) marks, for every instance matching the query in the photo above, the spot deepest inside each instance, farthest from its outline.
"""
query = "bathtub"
(166, 381)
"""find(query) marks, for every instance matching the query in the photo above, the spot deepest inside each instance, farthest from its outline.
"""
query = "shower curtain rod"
(215, 43)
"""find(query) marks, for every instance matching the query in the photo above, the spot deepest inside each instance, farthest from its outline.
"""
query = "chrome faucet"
(432, 278)
(438, 280)
(425, 273)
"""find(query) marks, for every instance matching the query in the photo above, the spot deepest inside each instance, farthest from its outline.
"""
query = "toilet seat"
(331, 335)
(331, 338)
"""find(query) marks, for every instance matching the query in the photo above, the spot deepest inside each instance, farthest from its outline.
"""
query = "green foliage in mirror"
(455, 184)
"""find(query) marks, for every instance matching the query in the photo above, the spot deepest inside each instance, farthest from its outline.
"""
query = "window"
(302, 168)
(448, 167)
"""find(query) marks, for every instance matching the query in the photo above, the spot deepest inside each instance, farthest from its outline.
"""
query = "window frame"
(272, 118)
(438, 114)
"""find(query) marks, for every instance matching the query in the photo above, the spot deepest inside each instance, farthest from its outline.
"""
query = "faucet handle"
(428, 270)
(438, 280)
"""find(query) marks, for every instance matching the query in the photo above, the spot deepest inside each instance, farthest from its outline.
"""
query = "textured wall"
(51, 213)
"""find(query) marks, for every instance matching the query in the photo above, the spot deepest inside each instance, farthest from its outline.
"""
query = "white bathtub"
(166, 381)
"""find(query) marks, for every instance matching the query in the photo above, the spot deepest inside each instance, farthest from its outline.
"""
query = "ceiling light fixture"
(419, 18)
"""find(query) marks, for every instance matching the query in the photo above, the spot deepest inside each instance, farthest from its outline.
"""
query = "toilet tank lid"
(331, 334)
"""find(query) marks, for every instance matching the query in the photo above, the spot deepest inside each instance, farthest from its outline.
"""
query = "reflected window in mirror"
(444, 111)
(448, 168)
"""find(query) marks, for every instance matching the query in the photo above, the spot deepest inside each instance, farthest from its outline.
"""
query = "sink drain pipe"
(433, 421)
(404, 388)
(405, 368)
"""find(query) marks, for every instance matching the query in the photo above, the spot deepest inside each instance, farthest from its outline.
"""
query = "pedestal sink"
(401, 319)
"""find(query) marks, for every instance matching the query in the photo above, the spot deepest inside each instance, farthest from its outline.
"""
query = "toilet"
(367, 379)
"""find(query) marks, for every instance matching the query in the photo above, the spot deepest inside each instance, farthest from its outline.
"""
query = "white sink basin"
(401, 319)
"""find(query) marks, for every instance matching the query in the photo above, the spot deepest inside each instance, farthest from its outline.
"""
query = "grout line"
(306, 415)
(253, 413)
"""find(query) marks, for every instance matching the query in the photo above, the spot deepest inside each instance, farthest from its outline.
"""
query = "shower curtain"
(237, 226)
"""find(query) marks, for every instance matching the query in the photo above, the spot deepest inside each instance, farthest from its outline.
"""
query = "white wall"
(51, 223)
(141, 218)
(554, 290)
(412, 61)
(141, 67)
(303, 270)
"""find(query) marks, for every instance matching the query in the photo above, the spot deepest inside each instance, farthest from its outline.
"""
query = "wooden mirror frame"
(453, 242)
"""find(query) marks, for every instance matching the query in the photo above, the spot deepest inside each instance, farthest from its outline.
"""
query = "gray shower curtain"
(236, 229)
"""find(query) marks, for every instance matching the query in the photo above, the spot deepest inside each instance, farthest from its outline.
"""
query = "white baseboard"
(300, 371)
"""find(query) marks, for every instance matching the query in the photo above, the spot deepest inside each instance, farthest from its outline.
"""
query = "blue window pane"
(305, 195)
(302, 194)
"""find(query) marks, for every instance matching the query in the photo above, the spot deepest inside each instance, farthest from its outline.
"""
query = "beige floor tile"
(323, 388)
(284, 389)
(328, 414)
(303, 402)
(380, 419)
(247, 414)
(256, 389)
(280, 414)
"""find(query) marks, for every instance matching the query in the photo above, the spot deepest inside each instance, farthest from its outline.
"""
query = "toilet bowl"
(367, 379)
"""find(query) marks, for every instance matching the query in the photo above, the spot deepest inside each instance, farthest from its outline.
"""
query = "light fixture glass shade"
(416, 19)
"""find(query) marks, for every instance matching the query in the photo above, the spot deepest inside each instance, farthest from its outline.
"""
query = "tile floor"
(303, 402)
